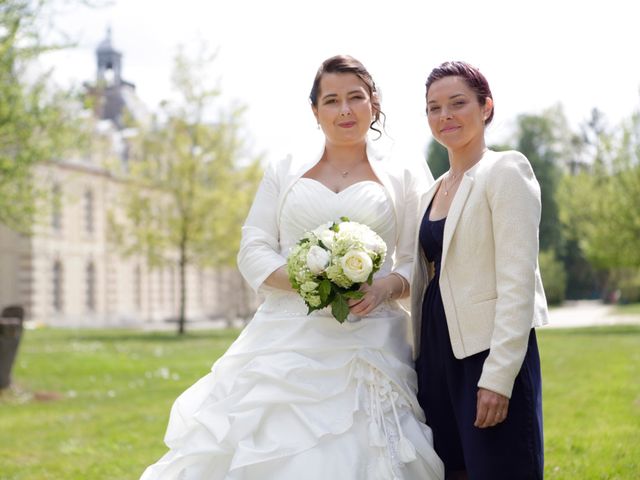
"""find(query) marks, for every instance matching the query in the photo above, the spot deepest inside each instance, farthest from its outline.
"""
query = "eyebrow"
(450, 98)
(335, 94)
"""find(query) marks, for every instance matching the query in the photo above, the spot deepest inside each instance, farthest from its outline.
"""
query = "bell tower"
(109, 63)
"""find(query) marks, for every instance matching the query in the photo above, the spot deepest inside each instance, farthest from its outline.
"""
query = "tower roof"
(105, 45)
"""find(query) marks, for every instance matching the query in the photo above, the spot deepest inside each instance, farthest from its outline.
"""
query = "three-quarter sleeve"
(514, 198)
(417, 180)
(259, 254)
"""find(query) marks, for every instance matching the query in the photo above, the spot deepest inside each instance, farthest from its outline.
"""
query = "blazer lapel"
(457, 206)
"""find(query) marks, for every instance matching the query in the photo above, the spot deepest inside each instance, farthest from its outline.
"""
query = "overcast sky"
(534, 53)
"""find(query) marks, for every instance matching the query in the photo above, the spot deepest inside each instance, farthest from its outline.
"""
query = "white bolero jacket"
(403, 176)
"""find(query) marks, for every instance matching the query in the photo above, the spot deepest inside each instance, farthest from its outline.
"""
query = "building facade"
(68, 274)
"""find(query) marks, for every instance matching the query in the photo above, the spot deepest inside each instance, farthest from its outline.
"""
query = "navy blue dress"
(447, 391)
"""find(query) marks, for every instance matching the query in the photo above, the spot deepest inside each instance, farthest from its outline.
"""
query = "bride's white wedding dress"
(303, 397)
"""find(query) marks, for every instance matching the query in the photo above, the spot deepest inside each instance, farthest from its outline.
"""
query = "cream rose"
(326, 237)
(356, 266)
(317, 259)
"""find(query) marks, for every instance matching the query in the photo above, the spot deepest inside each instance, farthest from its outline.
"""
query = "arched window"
(90, 292)
(57, 286)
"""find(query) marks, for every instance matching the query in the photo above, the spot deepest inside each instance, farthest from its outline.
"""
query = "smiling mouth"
(346, 124)
(449, 129)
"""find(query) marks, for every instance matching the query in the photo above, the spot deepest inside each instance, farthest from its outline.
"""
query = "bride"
(301, 396)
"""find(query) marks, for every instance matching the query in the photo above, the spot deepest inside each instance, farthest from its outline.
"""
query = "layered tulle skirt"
(304, 397)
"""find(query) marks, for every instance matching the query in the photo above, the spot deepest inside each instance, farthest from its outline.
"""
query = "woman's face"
(344, 109)
(455, 116)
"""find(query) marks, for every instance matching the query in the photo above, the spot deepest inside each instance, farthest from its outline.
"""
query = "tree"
(602, 204)
(37, 122)
(541, 138)
(188, 189)
(437, 158)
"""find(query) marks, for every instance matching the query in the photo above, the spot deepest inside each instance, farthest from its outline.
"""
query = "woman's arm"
(514, 198)
(279, 279)
(416, 180)
(259, 257)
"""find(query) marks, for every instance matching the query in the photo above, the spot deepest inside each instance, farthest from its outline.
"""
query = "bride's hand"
(374, 295)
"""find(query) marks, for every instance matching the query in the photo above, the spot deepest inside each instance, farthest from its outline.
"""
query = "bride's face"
(344, 109)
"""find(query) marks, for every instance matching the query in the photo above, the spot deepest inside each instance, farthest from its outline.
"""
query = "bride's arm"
(259, 258)
(279, 279)
(416, 180)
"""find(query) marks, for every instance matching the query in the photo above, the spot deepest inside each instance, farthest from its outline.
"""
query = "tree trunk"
(183, 287)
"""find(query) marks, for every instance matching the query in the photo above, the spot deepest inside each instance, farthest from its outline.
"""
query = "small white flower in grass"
(356, 265)
(317, 259)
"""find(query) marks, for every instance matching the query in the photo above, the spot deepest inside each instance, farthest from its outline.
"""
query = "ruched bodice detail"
(310, 203)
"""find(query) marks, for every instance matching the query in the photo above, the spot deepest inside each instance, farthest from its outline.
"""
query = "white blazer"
(489, 277)
(403, 178)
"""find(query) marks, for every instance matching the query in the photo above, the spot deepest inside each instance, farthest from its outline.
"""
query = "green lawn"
(94, 404)
(630, 309)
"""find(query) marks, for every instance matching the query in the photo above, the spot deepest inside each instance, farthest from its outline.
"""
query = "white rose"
(317, 259)
(356, 266)
(326, 237)
(375, 244)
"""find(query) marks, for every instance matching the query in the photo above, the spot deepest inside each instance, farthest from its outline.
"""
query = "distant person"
(303, 397)
(477, 293)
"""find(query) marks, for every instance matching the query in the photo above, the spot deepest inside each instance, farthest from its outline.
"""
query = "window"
(57, 286)
(88, 211)
(137, 287)
(56, 207)
(90, 292)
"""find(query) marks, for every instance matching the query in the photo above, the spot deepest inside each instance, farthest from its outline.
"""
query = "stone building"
(67, 273)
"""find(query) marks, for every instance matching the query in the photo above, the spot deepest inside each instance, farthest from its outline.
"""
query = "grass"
(629, 309)
(94, 404)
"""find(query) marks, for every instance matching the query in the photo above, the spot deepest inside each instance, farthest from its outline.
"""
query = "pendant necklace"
(456, 177)
(343, 173)
(453, 182)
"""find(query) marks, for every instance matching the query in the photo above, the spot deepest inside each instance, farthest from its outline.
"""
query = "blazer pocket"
(483, 296)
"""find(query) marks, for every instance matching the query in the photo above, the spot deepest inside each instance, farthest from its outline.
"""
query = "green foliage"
(437, 158)
(540, 139)
(37, 122)
(115, 389)
(601, 203)
(190, 182)
(554, 277)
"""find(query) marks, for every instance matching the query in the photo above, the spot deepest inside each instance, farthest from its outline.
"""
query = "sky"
(534, 53)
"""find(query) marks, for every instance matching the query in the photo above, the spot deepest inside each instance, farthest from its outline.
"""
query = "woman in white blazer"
(477, 292)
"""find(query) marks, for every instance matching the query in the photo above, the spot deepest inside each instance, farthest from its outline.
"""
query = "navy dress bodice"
(433, 316)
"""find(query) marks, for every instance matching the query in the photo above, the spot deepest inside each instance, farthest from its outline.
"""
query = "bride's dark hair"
(348, 64)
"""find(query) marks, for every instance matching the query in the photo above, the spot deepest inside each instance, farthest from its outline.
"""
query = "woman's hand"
(374, 295)
(491, 408)
(382, 289)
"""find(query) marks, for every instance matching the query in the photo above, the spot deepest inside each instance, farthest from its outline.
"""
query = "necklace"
(343, 173)
(454, 180)
(458, 176)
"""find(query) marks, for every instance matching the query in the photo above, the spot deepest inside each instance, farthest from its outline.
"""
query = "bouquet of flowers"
(330, 263)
